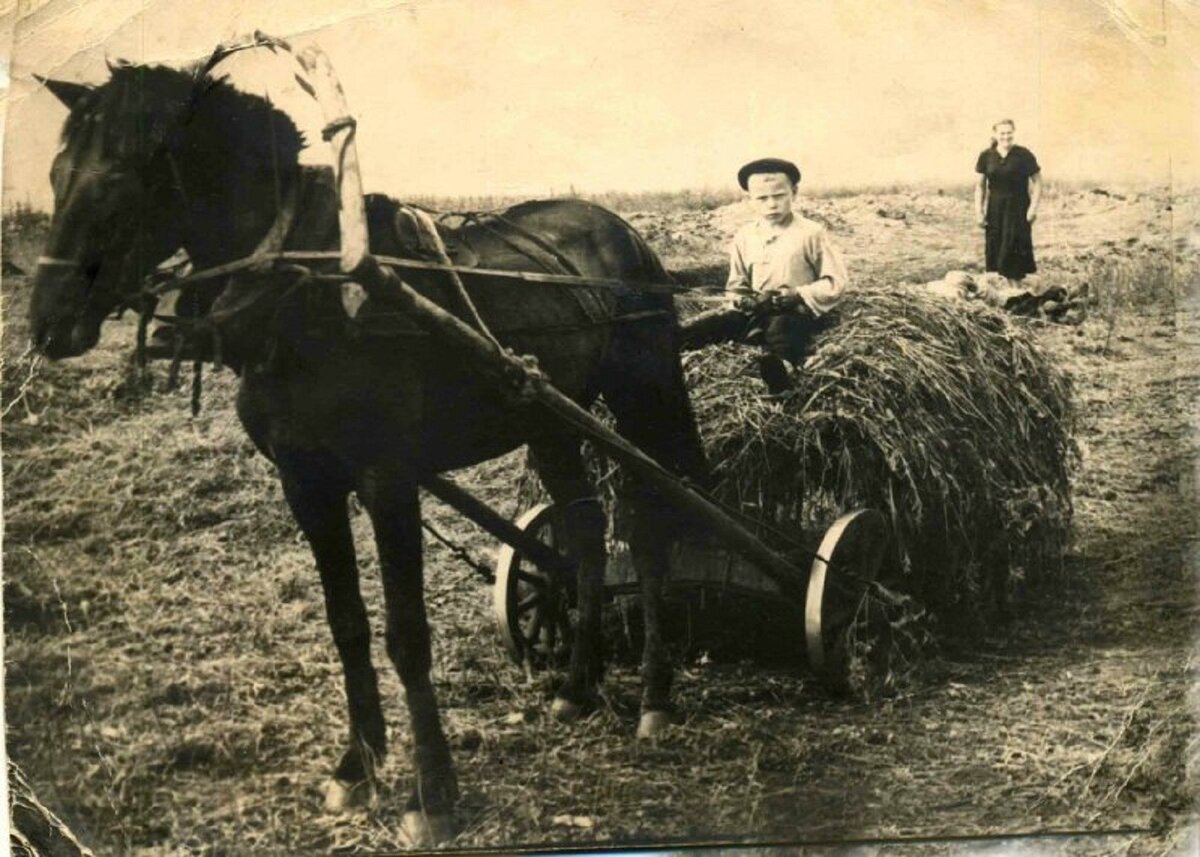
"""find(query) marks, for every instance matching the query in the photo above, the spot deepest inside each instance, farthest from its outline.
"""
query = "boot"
(775, 374)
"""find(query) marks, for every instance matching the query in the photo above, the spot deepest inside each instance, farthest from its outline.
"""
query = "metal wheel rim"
(858, 540)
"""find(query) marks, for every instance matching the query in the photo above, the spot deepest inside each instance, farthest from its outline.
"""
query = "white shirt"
(797, 257)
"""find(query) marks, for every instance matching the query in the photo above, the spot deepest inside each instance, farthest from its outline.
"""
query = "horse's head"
(115, 210)
(153, 159)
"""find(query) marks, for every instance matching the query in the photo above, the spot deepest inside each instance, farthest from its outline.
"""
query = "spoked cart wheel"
(846, 564)
(533, 607)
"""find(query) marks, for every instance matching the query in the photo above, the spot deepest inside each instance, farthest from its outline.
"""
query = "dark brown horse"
(157, 158)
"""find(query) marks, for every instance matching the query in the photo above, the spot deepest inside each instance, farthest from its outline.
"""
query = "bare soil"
(171, 686)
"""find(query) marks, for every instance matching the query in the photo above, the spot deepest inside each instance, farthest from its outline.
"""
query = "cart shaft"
(473, 509)
(384, 285)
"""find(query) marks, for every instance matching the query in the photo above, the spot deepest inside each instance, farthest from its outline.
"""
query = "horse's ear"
(65, 91)
(118, 63)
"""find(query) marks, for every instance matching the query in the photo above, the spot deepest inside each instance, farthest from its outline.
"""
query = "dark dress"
(1008, 238)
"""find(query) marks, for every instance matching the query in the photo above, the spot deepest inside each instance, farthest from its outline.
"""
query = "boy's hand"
(746, 303)
(790, 301)
(773, 300)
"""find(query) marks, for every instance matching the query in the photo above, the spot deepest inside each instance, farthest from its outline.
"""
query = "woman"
(1006, 201)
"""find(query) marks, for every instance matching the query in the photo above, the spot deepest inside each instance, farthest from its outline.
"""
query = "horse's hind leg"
(653, 411)
(394, 506)
(317, 494)
(559, 463)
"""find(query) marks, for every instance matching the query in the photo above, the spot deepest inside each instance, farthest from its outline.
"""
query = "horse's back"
(595, 240)
(562, 237)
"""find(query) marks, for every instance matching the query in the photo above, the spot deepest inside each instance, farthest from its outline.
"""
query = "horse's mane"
(148, 98)
(140, 106)
(242, 124)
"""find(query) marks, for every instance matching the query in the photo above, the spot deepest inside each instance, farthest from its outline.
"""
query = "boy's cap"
(768, 165)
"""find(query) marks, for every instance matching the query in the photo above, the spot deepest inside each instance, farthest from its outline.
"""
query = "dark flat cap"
(768, 165)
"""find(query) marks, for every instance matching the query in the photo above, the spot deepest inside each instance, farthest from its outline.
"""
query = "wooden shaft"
(383, 284)
(470, 507)
(352, 214)
(466, 306)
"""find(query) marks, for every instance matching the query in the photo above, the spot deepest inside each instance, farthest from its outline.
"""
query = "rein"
(269, 258)
(263, 261)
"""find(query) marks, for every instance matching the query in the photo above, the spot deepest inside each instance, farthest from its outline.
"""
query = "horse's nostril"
(43, 339)
(53, 338)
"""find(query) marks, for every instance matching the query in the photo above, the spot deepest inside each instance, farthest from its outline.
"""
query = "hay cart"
(532, 600)
(533, 576)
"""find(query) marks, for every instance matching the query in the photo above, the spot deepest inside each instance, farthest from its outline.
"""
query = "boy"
(784, 275)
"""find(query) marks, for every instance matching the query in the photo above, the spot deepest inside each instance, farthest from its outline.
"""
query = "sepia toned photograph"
(724, 427)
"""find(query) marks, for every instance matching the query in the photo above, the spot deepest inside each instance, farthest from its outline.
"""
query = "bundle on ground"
(946, 417)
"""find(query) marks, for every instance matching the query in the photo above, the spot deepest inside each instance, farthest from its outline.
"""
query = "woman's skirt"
(1008, 237)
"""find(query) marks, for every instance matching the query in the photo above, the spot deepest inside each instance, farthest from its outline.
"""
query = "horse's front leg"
(394, 506)
(316, 493)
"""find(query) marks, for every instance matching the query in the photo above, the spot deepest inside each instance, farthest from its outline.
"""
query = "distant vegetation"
(22, 219)
(665, 201)
(22, 230)
(709, 198)
(704, 199)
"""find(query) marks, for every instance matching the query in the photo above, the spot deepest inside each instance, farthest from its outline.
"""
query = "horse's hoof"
(565, 711)
(341, 796)
(653, 723)
(426, 829)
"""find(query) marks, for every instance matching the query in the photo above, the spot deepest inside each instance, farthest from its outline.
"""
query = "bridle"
(144, 297)
(53, 262)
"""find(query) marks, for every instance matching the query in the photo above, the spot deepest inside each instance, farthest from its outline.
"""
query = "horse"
(157, 158)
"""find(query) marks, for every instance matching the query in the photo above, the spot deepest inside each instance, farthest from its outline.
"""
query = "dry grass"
(947, 418)
(950, 420)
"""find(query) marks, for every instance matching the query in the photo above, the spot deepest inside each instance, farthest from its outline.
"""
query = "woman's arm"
(981, 200)
(1035, 195)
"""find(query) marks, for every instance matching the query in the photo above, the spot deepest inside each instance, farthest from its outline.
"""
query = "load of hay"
(945, 417)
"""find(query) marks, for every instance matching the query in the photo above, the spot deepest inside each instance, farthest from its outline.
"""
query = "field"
(171, 686)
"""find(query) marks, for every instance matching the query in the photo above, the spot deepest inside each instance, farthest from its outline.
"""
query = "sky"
(531, 97)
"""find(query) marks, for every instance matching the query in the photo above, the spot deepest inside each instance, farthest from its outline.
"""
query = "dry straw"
(945, 417)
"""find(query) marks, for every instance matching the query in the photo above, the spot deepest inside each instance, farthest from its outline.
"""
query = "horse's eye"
(115, 180)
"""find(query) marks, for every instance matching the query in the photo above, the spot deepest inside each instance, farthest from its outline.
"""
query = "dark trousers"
(786, 336)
